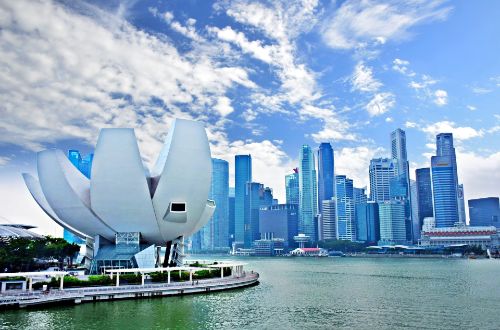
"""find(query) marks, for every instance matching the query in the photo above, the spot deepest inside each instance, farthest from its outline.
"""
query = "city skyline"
(275, 76)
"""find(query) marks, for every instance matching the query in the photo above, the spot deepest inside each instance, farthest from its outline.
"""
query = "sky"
(264, 76)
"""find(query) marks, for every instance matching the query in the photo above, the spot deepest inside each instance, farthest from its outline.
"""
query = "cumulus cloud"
(440, 97)
(357, 22)
(480, 174)
(87, 71)
(362, 79)
(459, 133)
(471, 107)
(223, 106)
(380, 104)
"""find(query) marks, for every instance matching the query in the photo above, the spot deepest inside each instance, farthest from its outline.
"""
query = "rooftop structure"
(9, 231)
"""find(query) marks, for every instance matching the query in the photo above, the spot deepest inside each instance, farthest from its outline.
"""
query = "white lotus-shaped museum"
(121, 197)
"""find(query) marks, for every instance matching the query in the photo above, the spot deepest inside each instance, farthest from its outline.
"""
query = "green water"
(308, 293)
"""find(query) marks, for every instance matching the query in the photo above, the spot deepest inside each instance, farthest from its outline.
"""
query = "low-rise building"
(483, 236)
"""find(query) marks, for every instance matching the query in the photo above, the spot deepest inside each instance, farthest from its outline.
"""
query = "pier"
(26, 299)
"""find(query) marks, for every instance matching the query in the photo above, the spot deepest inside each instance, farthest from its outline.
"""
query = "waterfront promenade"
(23, 299)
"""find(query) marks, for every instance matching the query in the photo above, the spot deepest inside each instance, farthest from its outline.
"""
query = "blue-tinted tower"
(219, 192)
(484, 212)
(445, 182)
(242, 175)
(251, 202)
(308, 208)
(325, 173)
(424, 194)
(292, 187)
(346, 229)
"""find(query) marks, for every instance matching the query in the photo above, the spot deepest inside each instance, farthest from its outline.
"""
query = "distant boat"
(336, 254)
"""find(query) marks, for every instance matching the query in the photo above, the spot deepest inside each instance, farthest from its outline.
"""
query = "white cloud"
(459, 133)
(479, 174)
(481, 90)
(402, 66)
(4, 160)
(362, 79)
(441, 97)
(67, 76)
(389, 120)
(424, 83)
(357, 22)
(410, 124)
(380, 104)
(333, 129)
(471, 107)
(223, 106)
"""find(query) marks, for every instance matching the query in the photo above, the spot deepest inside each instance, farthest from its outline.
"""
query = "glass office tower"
(381, 171)
(392, 222)
(484, 212)
(219, 192)
(292, 187)
(308, 208)
(345, 208)
(325, 173)
(445, 182)
(231, 215)
(251, 202)
(242, 175)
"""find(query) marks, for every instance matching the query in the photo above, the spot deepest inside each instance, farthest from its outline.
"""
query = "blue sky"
(265, 77)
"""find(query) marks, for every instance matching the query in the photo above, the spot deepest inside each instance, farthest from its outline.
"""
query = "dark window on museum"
(178, 207)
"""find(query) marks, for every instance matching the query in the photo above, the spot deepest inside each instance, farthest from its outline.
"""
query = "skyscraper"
(219, 192)
(360, 195)
(367, 222)
(424, 195)
(345, 208)
(279, 221)
(308, 199)
(242, 175)
(398, 152)
(461, 204)
(415, 218)
(382, 170)
(292, 187)
(325, 173)
(484, 212)
(231, 215)
(266, 198)
(445, 182)
(251, 202)
(392, 222)
(329, 218)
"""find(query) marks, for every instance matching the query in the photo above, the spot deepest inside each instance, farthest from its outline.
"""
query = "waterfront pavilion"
(236, 270)
(30, 275)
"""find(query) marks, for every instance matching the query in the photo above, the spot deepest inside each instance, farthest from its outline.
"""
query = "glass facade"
(424, 194)
(484, 212)
(251, 202)
(367, 222)
(279, 221)
(325, 173)
(392, 222)
(329, 219)
(242, 175)
(381, 171)
(292, 187)
(346, 229)
(308, 208)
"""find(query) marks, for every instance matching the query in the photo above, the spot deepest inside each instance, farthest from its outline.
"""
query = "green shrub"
(131, 278)
(100, 280)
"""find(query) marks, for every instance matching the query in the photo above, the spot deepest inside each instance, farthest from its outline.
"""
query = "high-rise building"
(325, 173)
(345, 208)
(392, 222)
(231, 215)
(424, 195)
(219, 192)
(445, 182)
(382, 170)
(461, 204)
(415, 218)
(398, 152)
(484, 212)
(242, 175)
(266, 198)
(367, 222)
(279, 221)
(292, 187)
(360, 195)
(329, 219)
(308, 208)
(251, 202)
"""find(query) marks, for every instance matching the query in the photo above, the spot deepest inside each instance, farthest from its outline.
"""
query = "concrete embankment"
(94, 294)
